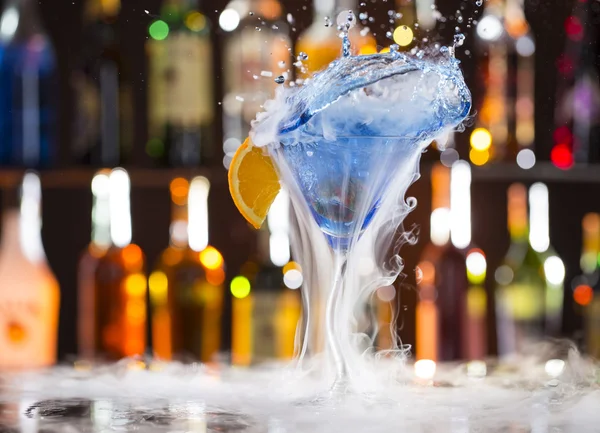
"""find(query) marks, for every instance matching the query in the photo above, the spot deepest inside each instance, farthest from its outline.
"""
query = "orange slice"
(253, 182)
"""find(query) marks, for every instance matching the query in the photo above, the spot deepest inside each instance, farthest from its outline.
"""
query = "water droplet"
(371, 19)
(239, 98)
(302, 56)
(251, 13)
(363, 4)
(459, 40)
(418, 274)
(309, 153)
(399, 15)
(280, 79)
(363, 16)
(290, 18)
(255, 77)
(395, 48)
(459, 19)
(281, 64)
(479, 2)
(328, 22)
(391, 13)
(388, 35)
(275, 27)
(258, 29)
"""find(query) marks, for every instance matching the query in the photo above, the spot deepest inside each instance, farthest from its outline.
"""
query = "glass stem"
(332, 321)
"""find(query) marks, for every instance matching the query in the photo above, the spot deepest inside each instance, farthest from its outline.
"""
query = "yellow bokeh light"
(403, 36)
(211, 258)
(135, 285)
(479, 158)
(158, 284)
(240, 287)
(195, 21)
(290, 266)
(367, 49)
(481, 139)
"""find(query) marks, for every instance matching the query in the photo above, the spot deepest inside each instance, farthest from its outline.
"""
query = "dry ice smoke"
(522, 396)
(383, 110)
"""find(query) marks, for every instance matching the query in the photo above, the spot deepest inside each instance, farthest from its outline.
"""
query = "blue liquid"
(354, 128)
(28, 90)
(343, 181)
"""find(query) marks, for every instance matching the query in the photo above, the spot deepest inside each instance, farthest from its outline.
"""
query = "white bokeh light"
(526, 159)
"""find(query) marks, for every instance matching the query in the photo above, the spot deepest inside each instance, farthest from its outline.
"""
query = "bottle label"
(263, 315)
(523, 302)
(181, 81)
(28, 328)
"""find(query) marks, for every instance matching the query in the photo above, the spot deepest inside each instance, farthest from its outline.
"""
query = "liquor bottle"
(180, 86)
(520, 95)
(320, 43)
(266, 302)
(29, 292)
(29, 87)
(103, 127)
(451, 312)
(186, 287)
(88, 263)
(586, 285)
(577, 133)
(257, 52)
(488, 140)
(529, 293)
(117, 295)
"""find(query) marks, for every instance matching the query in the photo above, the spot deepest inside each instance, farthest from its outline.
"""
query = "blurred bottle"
(181, 108)
(521, 80)
(28, 89)
(320, 43)
(103, 134)
(112, 318)
(266, 299)
(257, 51)
(586, 286)
(88, 263)
(29, 292)
(451, 312)
(577, 113)
(186, 287)
(489, 139)
(529, 291)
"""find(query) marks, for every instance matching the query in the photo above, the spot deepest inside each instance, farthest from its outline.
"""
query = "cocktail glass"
(348, 179)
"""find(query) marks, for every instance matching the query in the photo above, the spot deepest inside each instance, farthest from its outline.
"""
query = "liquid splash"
(347, 145)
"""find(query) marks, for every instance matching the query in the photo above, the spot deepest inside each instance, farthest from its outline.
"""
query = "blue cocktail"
(347, 145)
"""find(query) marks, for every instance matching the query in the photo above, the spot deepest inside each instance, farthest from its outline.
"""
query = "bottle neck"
(517, 213)
(101, 222)
(21, 234)
(120, 211)
(460, 205)
(539, 223)
(440, 205)
(591, 243)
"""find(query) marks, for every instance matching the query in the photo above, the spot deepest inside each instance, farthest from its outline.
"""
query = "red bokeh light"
(564, 64)
(583, 295)
(563, 134)
(562, 156)
(574, 28)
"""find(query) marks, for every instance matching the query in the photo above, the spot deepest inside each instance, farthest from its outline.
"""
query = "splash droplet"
(302, 56)
(280, 79)
(459, 40)
(418, 275)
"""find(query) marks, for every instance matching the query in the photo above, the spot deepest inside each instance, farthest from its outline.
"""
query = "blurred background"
(131, 110)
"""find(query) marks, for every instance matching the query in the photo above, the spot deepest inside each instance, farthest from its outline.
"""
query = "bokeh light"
(211, 258)
(479, 157)
(158, 30)
(240, 287)
(403, 36)
(583, 295)
(562, 156)
(481, 139)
